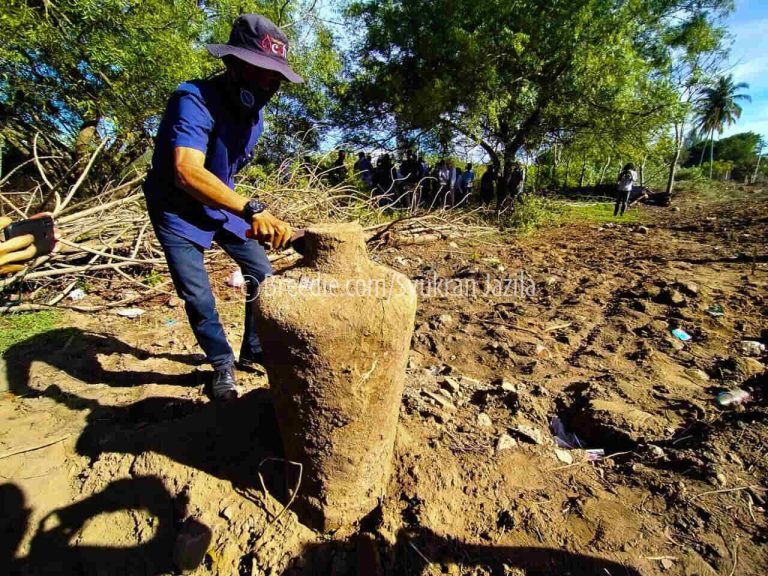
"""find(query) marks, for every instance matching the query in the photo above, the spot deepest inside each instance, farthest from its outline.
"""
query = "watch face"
(255, 207)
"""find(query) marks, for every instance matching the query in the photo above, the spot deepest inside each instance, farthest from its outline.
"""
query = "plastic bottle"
(734, 396)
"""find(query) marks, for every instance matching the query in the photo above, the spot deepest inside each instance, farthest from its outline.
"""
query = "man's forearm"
(204, 186)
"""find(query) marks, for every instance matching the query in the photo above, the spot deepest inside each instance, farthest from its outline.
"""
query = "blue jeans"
(185, 262)
(622, 201)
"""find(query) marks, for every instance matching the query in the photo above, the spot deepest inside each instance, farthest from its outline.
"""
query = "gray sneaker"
(223, 386)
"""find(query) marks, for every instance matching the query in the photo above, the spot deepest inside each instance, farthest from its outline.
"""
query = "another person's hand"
(15, 250)
(270, 231)
(16, 253)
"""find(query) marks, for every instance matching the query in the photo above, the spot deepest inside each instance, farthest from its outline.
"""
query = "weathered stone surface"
(336, 333)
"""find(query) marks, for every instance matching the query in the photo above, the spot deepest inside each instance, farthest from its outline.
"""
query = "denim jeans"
(622, 201)
(185, 262)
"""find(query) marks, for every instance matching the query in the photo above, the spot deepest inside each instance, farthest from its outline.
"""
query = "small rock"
(191, 544)
(642, 230)
(690, 289)
(528, 433)
(654, 452)
(507, 385)
(173, 302)
(440, 400)
(470, 381)
(677, 344)
(445, 320)
(525, 348)
(667, 563)
(721, 479)
(453, 245)
(609, 225)
(697, 374)
(671, 297)
(505, 442)
(484, 420)
(227, 513)
(564, 455)
(750, 348)
(451, 385)
(675, 208)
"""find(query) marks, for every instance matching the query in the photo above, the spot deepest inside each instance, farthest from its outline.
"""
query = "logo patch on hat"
(273, 46)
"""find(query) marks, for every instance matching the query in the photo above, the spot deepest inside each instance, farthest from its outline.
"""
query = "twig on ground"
(725, 490)
(32, 448)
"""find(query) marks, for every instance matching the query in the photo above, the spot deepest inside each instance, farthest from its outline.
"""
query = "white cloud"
(752, 71)
(749, 29)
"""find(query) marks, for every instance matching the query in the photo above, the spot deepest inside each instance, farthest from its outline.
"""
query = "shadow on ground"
(227, 441)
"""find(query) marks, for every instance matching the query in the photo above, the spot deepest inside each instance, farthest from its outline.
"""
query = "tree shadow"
(226, 440)
(419, 551)
(76, 352)
(52, 550)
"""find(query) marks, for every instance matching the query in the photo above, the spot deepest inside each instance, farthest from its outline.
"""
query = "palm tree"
(717, 107)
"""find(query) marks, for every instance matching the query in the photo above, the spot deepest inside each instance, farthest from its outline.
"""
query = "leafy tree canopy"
(518, 73)
(69, 66)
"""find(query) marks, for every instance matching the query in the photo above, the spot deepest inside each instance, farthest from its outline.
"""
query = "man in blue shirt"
(207, 135)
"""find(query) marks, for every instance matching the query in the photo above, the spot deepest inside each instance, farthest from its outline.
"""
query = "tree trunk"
(673, 164)
(583, 172)
(85, 137)
(757, 166)
(711, 152)
(602, 172)
(642, 171)
(567, 171)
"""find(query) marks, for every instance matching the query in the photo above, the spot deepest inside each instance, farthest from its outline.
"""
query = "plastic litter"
(595, 454)
(716, 311)
(681, 334)
(563, 438)
(751, 347)
(170, 322)
(733, 397)
(235, 279)
(130, 312)
(77, 294)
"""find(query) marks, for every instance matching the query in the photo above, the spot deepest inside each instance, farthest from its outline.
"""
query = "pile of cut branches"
(106, 240)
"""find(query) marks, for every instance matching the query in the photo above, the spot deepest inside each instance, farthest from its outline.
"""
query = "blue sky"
(749, 63)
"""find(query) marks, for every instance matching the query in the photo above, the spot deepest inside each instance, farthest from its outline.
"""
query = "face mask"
(248, 100)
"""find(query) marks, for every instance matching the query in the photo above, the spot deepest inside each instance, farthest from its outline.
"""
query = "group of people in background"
(414, 182)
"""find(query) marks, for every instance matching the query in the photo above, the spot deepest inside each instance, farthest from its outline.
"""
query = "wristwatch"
(252, 208)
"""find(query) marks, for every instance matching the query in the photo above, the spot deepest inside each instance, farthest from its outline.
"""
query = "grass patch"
(531, 213)
(15, 328)
(598, 212)
(534, 212)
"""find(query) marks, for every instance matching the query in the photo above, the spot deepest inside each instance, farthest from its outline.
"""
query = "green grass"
(534, 212)
(597, 212)
(15, 328)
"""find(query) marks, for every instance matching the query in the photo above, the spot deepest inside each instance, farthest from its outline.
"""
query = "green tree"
(73, 70)
(717, 107)
(511, 74)
(693, 51)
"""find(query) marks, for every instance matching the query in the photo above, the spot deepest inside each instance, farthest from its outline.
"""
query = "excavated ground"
(479, 485)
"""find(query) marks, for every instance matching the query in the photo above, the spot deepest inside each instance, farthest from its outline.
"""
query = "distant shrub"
(692, 173)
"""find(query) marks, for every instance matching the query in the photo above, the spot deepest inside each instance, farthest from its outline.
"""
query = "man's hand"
(270, 231)
(19, 249)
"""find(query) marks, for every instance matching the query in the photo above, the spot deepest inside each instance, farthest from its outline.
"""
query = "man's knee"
(200, 304)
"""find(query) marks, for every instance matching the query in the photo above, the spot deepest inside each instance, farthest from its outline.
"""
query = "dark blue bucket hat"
(256, 40)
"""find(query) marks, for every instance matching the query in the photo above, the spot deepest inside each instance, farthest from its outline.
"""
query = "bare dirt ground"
(108, 442)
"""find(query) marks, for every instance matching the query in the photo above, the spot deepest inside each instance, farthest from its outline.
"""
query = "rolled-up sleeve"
(191, 123)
